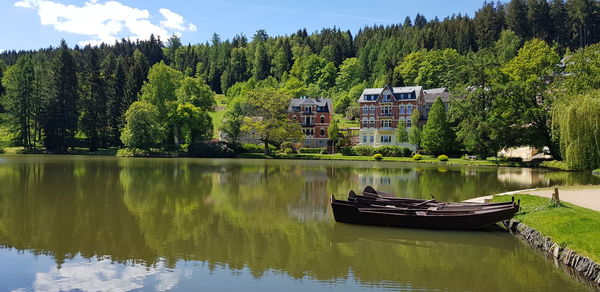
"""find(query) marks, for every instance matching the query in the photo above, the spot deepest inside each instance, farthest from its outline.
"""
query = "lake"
(83, 223)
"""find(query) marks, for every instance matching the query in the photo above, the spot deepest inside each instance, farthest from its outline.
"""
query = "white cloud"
(105, 275)
(106, 21)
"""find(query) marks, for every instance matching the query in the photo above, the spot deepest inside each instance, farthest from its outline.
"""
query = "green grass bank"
(568, 225)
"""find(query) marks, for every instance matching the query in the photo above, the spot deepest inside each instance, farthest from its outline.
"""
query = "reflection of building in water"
(312, 203)
(381, 180)
(523, 176)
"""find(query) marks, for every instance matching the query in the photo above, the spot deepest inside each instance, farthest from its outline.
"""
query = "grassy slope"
(343, 123)
(217, 115)
(572, 226)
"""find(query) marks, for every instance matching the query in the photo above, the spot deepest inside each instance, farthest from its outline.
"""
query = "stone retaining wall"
(584, 266)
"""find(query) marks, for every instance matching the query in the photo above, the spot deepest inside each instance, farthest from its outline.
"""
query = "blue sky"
(32, 24)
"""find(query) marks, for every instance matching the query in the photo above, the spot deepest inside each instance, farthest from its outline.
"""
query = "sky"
(34, 24)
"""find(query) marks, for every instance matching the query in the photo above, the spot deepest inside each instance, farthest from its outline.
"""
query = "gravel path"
(583, 196)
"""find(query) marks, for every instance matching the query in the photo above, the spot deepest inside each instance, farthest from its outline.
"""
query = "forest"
(513, 69)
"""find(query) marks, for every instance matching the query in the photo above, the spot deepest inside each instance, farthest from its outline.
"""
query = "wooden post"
(555, 197)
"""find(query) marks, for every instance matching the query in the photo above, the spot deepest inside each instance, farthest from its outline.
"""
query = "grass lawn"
(426, 159)
(343, 123)
(217, 119)
(217, 115)
(569, 225)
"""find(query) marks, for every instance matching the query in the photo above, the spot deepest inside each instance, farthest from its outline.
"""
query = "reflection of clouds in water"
(104, 275)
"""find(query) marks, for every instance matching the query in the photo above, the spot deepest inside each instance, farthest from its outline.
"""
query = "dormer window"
(386, 97)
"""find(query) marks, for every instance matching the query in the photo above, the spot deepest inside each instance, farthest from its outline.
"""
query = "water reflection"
(264, 219)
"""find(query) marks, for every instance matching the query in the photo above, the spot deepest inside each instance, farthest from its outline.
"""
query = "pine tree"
(19, 99)
(260, 65)
(517, 19)
(60, 124)
(437, 136)
(93, 99)
(136, 75)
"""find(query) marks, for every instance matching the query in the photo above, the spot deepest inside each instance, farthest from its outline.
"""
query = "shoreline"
(301, 156)
(560, 249)
(586, 270)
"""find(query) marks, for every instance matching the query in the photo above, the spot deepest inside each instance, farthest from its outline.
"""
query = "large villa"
(381, 109)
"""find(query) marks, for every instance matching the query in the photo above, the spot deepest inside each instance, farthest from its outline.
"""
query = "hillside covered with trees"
(513, 65)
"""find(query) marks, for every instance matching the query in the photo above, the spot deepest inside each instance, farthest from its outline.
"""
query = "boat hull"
(347, 212)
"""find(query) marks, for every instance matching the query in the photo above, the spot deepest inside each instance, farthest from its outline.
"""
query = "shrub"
(210, 149)
(133, 152)
(324, 151)
(287, 145)
(417, 157)
(596, 171)
(252, 148)
(555, 164)
(443, 157)
(364, 150)
(255, 148)
(347, 151)
(288, 151)
(378, 156)
(310, 150)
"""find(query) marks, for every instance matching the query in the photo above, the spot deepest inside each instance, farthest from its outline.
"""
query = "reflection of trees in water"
(245, 215)
(66, 207)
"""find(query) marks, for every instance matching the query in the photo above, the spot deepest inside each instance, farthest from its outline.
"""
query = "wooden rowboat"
(449, 216)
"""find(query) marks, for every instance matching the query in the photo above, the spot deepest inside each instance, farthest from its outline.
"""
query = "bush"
(347, 151)
(133, 152)
(324, 151)
(310, 150)
(364, 150)
(288, 145)
(596, 171)
(210, 149)
(288, 151)
(252, 148)
(393, 151)
(417, 157)
(378, 156)
(255, 148)
(443, 157)
(555, 164)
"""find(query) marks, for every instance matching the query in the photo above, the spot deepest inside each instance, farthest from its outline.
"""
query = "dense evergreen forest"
(504, 63)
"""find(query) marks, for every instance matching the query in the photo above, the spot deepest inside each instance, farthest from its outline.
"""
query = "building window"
(372, 123)
(322, 132)
(402, 109)
(386, 111)
(372, 109)
(365, 110)
(409, 109)
(364, 139)
(386, 124)
(386, 97)
(322, 119)
(372, 139)
(365, 123)
(408, 123)
(386, 139)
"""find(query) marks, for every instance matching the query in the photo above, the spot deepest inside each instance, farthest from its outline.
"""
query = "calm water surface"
(92, 224)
